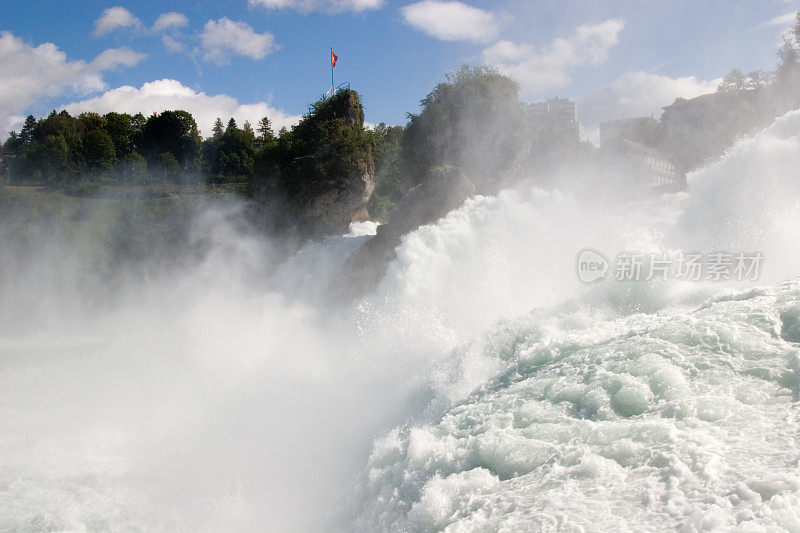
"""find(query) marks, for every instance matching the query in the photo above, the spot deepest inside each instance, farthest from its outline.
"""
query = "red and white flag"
(334, 57)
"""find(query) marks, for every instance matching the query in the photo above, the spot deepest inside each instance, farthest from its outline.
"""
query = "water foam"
(641, 423)
(506, 392)
(589, 415)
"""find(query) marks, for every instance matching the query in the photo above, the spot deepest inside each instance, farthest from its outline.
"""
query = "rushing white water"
(481, 386)
(648, 422)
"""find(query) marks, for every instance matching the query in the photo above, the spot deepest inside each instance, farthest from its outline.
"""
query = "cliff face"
(320, 175)
(444, 189)
(332, 209)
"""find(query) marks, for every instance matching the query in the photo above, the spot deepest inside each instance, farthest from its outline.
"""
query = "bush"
(84, 188)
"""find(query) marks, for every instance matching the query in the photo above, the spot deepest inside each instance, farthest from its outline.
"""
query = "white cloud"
(34, 72)
(636, 94)
(784, 20)
(451, 21)
(168, 94)
(538, 71)
(505, 51)
(114, 18)
(114, 57)
(325, 6)
(223, 38)
(171, 44)
(170, 20)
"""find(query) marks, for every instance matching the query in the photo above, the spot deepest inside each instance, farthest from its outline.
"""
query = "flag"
(334, 57)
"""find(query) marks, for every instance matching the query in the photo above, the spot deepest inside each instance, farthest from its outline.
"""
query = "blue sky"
(245, 58)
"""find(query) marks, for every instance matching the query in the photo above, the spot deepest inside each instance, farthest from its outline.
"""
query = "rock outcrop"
(444, 189)
(318, 178)
(331, 210)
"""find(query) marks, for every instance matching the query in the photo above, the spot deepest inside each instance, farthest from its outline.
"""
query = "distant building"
(555, 115)
(687, 117)
(648, 165)
(644, 130)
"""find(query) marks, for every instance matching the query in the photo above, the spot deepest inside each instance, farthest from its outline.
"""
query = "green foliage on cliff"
(228, 156)
(701, 129)
(389, 183)
(64, 150)
(473, 120)
(320, 152)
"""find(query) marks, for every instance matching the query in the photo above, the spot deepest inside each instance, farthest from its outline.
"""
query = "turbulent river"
(481, 386)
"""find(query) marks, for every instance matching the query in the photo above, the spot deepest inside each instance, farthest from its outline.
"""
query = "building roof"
(704, 99)
(627, 121)
(643, 149)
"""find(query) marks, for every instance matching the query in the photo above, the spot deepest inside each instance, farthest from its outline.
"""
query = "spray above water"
(480, 384)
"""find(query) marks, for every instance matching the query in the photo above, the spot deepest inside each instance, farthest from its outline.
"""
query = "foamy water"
(481, 386)
(649, 422)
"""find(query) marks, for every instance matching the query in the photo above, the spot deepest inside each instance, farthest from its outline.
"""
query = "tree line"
(462, 122)
(472, 120)
(61, 149)
(742, 104)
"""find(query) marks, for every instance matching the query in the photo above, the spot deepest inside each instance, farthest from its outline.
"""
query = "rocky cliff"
(319, 177)
(444, 189)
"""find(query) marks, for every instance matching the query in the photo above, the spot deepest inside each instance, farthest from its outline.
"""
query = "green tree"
(734, 81)
(55, 158)
(138, 122)
(389, 188)
(788, 54)
(472, 120)
(174, 132)
(329, 141)
(133, 168)
(265, 130)
(120, 128)
(168, 165)
(230, 157)
(786, 86)
(13, 145)
(99, 150)
(61, 141)
(757, 79)
(91, 121)
(218, 129)
(26, 133)
(10, 152)
(327, 155)
(97, 147)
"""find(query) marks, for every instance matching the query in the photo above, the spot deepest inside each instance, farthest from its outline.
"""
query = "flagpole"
(331, 58)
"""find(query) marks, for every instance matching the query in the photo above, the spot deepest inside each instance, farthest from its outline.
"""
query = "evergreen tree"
(229, 158)
(265, 129)
(218, 129)
(26, 134)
